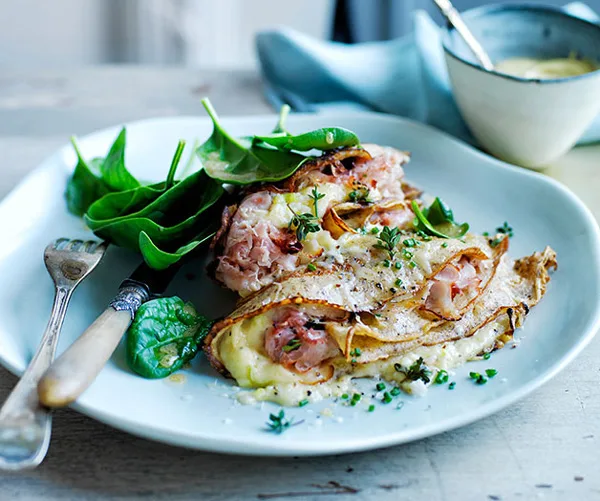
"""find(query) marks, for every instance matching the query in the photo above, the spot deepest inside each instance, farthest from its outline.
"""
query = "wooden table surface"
(544, 447)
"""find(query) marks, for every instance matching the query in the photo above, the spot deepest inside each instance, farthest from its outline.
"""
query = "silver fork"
(25, 425)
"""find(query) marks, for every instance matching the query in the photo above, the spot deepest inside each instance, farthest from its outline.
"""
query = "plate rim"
(256, 447)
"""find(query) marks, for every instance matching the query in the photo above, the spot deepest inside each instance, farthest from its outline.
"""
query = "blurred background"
(208, 33)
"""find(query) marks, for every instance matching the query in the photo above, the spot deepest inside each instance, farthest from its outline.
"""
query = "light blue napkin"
(406, 76)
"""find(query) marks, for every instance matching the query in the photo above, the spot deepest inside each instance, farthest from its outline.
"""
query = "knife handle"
(71, 374)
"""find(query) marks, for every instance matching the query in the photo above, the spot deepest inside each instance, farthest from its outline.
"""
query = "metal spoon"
(454, 18)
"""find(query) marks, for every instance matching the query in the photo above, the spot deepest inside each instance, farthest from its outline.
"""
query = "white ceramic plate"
(200, 412)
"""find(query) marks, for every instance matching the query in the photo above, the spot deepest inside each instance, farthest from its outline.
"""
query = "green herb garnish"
(292, 345)
(506, 229)
(417, 371)
(486, 356)
(316, 196)
(451, 385)
(410, 242)
(278, 423)
(371, 408)
(388, 239)
(355, 352)
(387, 398)
(438, 220)
(478, 378)
(395, 391)
(398, 282)
(302, 403)
(374, 230)
(398, 265)
(311, 267)
(355, 399)
(491, 372)
(441, 377)
(380, 386)
(496, 242)
(360, 194)
(303, 224)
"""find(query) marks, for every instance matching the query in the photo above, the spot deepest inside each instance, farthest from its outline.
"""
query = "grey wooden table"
(546, 446)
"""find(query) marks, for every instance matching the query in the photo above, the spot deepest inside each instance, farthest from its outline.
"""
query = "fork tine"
(60, 243)
(74, 245)
(101, 248)
(89, 246)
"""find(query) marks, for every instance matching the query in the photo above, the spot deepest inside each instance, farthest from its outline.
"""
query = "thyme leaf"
(388, 239)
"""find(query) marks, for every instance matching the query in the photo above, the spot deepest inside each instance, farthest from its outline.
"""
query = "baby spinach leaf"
(165, 334)
(238, 161)
(324, 139)
(438, 220)
(114, 172)
(280, 127)
(94, 179)
(170, 220)
(85, 185)
(160, 259)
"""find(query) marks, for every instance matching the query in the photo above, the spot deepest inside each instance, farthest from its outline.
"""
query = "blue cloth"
(406, 76)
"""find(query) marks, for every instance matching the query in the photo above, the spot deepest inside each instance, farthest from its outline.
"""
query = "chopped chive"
(380, 386)
(397, 265)
(353, 361)
(445, 244)
(474, 375)
(481, 380)
(406, 254)
(398, 283)
(491, 372)
(345, 396)
(371, 408)
(386, 263)
(441, 377)
(410, 242)
(311, 267)
(412, 264)
(387, 398)
(486, 233)
(395, 391)
(451, 385)
(356, 397)
(356, 352)
(374, 230)
(302, 403)
(486, 356)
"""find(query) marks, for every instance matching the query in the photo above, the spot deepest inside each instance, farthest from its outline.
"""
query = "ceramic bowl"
(523, 121)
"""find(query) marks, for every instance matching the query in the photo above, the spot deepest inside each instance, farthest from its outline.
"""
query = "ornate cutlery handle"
(24, 424)
(71, 374)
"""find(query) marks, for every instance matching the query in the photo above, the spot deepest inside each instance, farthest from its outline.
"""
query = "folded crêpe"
(356, 320)
(342, 300)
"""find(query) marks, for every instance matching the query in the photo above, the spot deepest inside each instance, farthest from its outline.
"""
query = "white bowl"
(523, 121)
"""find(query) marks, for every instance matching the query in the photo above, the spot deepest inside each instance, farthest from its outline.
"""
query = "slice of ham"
(451, 283)
(315, 345)
(253, 252)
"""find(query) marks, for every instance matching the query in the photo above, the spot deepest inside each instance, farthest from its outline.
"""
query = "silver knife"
(75, 370)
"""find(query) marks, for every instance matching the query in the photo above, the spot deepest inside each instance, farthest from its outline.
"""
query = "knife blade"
(75, 370)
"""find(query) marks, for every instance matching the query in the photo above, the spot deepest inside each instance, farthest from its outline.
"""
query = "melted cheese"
(241, 352)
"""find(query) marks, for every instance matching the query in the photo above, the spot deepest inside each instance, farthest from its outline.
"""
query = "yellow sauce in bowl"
(525, 67)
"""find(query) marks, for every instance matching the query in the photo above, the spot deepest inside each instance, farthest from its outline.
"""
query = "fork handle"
(78, 366)
(24, 424)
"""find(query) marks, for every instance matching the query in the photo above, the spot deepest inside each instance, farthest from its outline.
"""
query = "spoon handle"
(450, 13)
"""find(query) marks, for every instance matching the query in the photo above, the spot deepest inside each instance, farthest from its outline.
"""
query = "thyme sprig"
(303, 224)
(278, 423)
(418, 370)
(316, 196)
(388, 239)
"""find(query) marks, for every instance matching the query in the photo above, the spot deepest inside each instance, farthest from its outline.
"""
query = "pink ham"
(452, 281)
(314, 345)
(253, 251)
